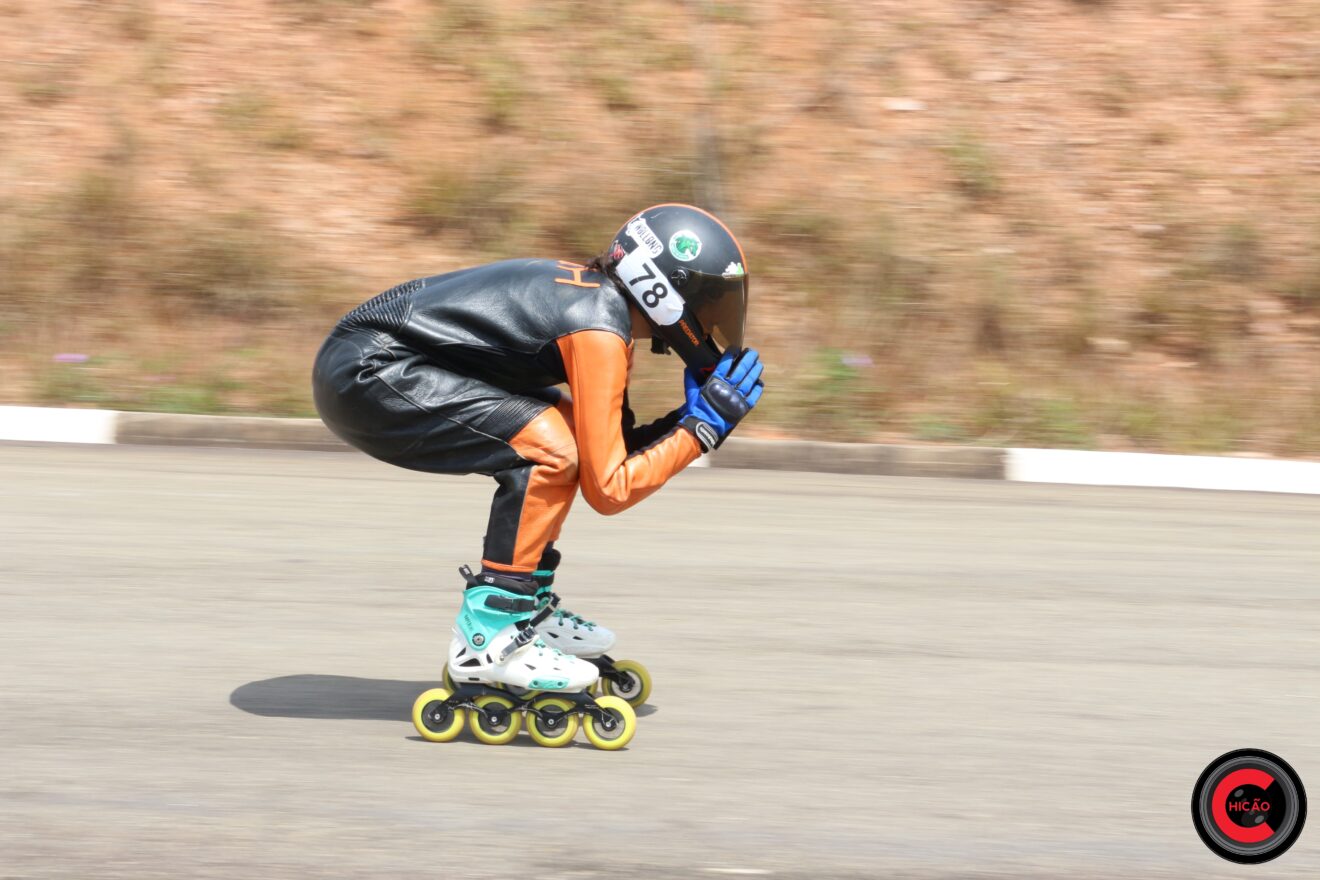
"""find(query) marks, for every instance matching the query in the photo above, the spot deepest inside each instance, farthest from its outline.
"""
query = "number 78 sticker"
(650, 288)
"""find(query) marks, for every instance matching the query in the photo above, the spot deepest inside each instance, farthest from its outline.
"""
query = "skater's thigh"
(402, 408)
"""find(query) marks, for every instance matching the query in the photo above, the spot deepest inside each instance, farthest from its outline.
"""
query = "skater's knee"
(548, 442)
(563, 466)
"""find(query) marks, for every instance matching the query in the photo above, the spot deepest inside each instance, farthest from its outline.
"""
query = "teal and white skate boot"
(496, 641)
(499, 670)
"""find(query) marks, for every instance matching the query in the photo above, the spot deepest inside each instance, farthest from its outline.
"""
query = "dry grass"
(1106, 238)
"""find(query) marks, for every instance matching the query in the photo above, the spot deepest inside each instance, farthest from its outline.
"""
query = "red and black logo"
(1249, 806)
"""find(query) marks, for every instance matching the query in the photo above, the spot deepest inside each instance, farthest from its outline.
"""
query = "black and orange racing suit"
(455, 374)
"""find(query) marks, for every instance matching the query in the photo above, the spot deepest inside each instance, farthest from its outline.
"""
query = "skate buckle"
(552, 602)
(520, 640)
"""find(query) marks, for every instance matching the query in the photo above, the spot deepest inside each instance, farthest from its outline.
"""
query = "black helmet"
(688, 275)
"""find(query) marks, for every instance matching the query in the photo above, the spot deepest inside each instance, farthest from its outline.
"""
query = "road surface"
(209, 658)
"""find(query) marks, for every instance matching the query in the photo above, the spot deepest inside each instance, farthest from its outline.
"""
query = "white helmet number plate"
(649, 287)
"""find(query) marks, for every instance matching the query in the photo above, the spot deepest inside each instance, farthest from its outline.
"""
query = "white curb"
(46, 425)
(1163, 471)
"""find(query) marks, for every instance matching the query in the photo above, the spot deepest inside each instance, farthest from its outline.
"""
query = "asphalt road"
(208, 659)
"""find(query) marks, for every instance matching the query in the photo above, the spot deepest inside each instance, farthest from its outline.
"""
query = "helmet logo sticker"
(684, 245)
(734, 270)
(641, 233)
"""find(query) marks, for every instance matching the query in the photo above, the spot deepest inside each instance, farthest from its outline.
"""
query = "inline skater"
(456, 374)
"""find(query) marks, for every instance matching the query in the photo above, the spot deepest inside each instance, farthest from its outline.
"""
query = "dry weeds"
(1029, 222)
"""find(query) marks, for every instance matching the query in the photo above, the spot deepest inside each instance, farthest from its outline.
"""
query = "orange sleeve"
(596, 362)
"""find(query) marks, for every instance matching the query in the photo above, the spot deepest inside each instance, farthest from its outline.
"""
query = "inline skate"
(584, 639)
(500, 674)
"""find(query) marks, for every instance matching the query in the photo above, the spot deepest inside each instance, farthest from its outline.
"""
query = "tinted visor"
(723, 308)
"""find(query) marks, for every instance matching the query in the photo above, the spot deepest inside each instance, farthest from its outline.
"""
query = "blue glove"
(714, 408)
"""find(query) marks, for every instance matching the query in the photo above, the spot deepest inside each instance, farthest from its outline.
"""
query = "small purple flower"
(71, 358)
(857, 360)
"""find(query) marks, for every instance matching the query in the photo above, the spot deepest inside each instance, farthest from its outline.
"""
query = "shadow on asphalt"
(330, 696)
(336, 696)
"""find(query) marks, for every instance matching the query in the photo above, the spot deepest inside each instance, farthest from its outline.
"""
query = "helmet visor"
(724, 310)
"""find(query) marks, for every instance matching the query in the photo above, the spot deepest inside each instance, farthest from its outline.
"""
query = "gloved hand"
(714, 408)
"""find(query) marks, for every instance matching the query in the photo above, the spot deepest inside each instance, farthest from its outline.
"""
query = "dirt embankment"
(1042, 222)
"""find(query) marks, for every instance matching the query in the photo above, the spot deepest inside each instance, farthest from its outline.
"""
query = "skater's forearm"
(612, 480)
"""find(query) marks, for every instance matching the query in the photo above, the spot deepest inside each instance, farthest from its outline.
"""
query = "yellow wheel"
(436, 721)
(615, 730)
(633, 685)
(494, 721)
(551, 721)
(449, 680)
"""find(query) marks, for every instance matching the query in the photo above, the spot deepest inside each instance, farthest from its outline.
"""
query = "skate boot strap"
(508, 603)
(547, 603)
(511, 583)
(527, 630)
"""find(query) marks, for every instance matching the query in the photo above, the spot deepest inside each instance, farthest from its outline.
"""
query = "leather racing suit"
(455, 374)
